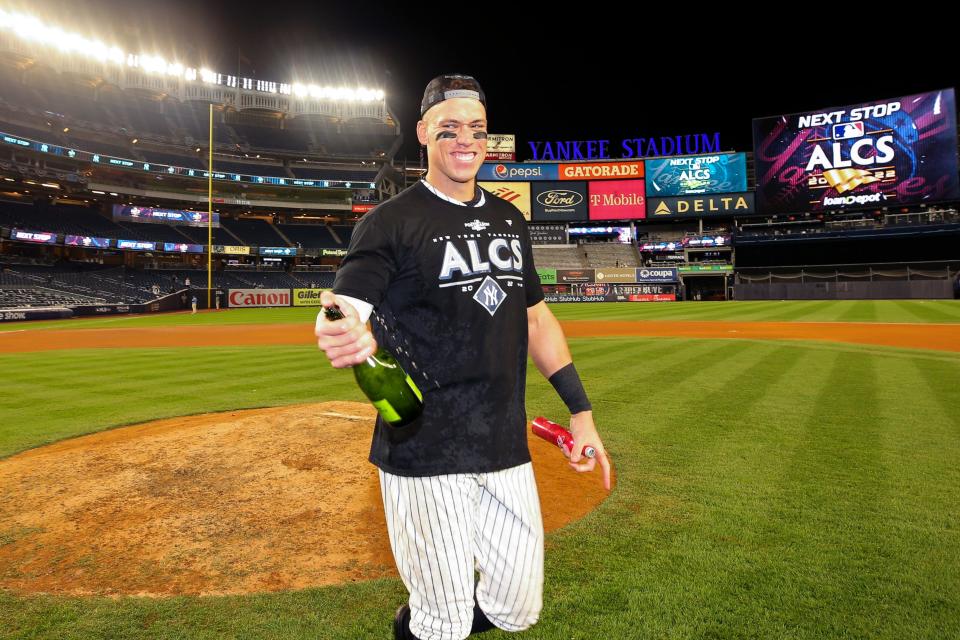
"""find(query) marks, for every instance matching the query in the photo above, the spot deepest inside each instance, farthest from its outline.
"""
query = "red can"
(555, 433)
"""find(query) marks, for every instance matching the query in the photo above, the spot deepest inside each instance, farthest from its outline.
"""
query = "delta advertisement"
(728, 204)
(690, 175)
(258, 298)
(867, 155)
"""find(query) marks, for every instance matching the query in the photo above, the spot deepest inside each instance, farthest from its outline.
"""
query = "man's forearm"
(547, 344)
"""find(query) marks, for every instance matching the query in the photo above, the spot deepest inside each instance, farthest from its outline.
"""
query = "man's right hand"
(346, 342)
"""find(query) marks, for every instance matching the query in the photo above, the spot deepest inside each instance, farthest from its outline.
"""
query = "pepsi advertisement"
(490, 172)
(691, 175)
(864, 156)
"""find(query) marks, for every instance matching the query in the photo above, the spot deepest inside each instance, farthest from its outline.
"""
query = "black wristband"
(567, 383)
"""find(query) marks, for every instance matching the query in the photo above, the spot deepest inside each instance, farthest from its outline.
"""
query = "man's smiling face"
(455, 133)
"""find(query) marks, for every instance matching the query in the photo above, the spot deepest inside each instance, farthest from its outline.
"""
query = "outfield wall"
(920, 289)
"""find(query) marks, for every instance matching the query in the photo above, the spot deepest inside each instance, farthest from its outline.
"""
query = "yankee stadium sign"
(689, 144)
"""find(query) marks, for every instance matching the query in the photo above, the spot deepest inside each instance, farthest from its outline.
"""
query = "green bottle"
(385, 383)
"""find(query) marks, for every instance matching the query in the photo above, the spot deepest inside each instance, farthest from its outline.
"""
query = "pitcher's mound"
(223, 503)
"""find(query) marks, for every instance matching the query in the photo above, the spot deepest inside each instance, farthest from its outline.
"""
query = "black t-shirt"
(453, 283)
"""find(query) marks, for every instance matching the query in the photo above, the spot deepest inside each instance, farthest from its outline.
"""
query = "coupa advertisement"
(869, 155)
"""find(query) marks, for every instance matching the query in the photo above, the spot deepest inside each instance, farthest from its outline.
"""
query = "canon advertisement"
(258, 297)
(868, 155)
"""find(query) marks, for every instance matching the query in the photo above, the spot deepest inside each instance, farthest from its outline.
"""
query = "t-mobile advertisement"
(617, 200)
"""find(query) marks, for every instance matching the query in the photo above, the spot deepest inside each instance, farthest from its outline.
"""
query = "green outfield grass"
(911, 311)
(767, 489)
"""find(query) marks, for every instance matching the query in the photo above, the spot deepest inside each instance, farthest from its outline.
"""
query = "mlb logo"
(848, 130)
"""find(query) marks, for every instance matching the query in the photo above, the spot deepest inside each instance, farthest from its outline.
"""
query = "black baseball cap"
(451, 85)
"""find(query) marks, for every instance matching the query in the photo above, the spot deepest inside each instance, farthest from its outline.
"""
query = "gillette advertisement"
(865, 156)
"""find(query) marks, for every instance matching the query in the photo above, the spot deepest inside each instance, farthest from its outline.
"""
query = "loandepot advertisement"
(867, 156)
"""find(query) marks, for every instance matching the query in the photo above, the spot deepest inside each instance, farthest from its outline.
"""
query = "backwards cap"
(451, 85)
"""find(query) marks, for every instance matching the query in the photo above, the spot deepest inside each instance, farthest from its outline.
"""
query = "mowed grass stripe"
(949, 310)
(927, 312)
(181, 381)
(836, 537)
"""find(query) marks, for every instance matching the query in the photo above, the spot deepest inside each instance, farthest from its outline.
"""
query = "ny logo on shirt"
(490, 295)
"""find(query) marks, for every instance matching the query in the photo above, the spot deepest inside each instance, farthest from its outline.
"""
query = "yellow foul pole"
(210, 213)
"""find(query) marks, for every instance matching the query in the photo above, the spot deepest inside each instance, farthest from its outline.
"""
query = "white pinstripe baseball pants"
(443, 528)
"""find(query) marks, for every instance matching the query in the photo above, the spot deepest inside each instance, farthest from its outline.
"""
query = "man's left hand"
(584, 434)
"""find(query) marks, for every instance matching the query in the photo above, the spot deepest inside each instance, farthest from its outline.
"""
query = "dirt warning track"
(944, 337)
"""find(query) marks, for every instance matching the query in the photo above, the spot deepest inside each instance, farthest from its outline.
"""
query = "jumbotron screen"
(869, 155)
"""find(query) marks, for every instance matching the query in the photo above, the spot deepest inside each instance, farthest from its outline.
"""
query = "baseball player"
(446, 271)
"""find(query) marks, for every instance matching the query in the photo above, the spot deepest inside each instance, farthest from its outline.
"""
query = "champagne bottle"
(385, 383)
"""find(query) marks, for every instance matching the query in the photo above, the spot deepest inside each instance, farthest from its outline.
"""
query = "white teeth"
(465, 156)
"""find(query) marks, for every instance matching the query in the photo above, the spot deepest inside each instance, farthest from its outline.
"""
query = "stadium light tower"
(32, 29)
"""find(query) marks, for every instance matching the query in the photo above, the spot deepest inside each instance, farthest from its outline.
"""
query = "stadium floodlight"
(32, 29)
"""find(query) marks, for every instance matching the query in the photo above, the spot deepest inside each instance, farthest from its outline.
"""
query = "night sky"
(558, 76)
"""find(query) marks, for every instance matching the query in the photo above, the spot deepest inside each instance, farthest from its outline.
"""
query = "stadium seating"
(609, 254)
(159, 157)
(309, 235)
(559, 258)
(255, 232)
